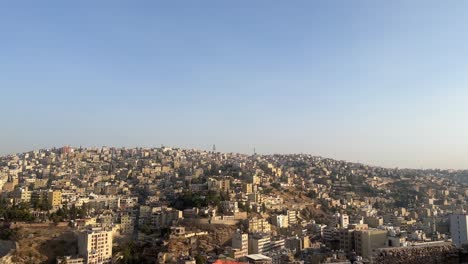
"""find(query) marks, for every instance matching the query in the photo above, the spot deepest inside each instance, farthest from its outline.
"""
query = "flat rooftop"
(257, 257)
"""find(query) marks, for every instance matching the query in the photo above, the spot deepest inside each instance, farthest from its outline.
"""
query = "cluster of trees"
(190, 200)
(22, 212)
(369, 191)
(7, 233)
(312, 194)
(16, 212)
(41, 204)
(69, 214)
(406, 196)
(244, 208)
(130, 253)
(199, 259)
(276, 185)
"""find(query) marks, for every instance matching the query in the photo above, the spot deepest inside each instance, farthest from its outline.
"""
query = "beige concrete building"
(127, 224)
(223, 185)
(292, 217)
(259, 244)
(374, 221)
(240, 242)
(255, 197)
(259, 225)
(54, 199)
(367, 241)
(95, 245)
(254, 179)
(247, 188)
(21, 195)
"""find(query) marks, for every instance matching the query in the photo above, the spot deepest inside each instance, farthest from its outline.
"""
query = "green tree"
(199, 259)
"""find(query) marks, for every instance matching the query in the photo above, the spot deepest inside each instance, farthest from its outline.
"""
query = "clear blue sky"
(381, 82)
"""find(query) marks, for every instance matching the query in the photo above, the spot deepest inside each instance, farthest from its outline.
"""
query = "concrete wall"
(443, 252)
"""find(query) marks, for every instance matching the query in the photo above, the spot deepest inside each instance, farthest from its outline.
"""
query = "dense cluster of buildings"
(280, 208)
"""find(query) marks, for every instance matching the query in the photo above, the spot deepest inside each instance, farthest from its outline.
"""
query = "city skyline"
(382, 83)
(210, 149)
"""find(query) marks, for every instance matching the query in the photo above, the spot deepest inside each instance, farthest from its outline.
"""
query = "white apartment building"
(280, 221)
(344, 220)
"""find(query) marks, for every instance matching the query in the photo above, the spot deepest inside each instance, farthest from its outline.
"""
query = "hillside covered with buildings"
(170, 205)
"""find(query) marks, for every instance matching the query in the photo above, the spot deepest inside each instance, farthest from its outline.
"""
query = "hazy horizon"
(210, 148)
(377, 82)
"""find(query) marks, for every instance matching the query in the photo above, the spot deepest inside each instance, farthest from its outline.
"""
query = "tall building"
(346, 240)
(344, 221)
(254, 179)
(367, 241)
(247, 188)
(292, 217)
(54, 199)
(259, 244)
(127, 224)
(459, 229)
(95, 245)
(21, 195)
(240, 242)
